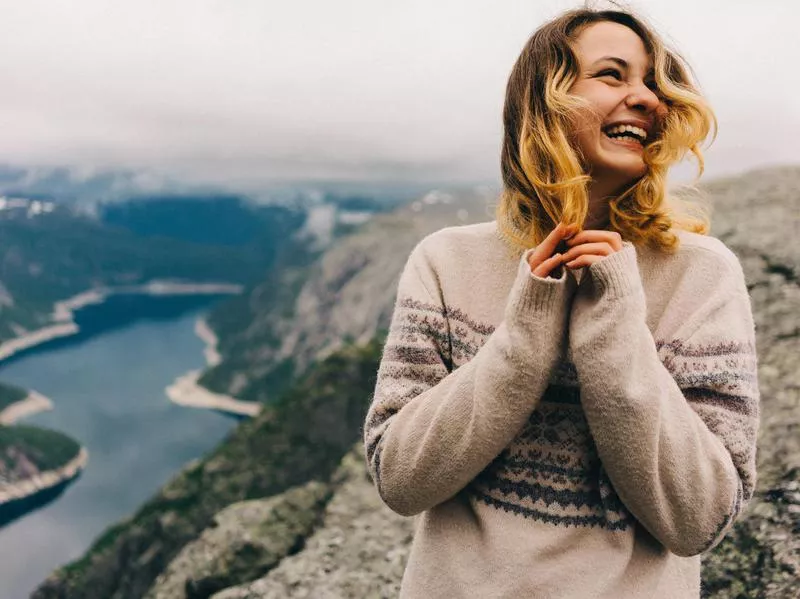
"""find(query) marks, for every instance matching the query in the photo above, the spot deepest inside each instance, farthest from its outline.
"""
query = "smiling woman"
(568, 395)
(597, 110)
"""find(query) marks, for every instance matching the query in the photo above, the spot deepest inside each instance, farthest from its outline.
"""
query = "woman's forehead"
(606, 40)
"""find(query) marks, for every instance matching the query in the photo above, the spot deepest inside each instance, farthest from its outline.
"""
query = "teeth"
(637, 131)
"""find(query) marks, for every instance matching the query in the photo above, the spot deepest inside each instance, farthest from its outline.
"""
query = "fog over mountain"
(252, 92)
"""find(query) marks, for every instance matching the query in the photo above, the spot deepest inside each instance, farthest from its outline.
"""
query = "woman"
(564, 435)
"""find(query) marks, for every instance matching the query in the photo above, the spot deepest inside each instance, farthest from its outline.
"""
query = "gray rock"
(757, 215)
(360, 549)
(246, 540)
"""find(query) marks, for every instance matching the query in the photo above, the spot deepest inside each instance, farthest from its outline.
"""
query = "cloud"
(255, 91)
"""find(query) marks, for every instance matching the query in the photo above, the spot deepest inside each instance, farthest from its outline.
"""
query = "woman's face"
(616, 79)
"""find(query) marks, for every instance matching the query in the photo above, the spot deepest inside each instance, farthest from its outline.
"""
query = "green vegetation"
(224, 220)
(57, 255)
(245, 326)
(300, 437)
(10, 394)
(46, 449)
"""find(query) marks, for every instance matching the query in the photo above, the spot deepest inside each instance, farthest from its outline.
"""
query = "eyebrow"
(622, 63)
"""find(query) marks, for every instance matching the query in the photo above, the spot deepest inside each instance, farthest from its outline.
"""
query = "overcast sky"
(246, 91)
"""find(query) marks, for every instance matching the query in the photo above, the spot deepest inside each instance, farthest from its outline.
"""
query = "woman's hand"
(590, 246)
(542, 260)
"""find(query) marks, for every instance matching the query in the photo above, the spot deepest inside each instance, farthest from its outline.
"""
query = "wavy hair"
(543, 179)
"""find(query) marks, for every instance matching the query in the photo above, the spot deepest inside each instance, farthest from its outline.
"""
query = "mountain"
(311, 305)
(86, 187)
(52, 252)
(220, 220)
(345, 542)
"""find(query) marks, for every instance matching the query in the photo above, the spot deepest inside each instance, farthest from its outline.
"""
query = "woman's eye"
(613, 72)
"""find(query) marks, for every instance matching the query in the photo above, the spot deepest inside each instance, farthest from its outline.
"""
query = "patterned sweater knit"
(587, 436)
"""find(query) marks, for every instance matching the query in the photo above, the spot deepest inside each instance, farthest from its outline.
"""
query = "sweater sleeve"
(675, 423)
(431, 429)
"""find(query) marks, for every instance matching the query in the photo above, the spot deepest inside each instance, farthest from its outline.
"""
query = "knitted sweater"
(580, 437)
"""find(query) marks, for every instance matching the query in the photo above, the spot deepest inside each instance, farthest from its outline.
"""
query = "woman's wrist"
(617, 275)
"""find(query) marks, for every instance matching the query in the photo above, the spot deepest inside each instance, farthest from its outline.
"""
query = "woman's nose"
(642, 97)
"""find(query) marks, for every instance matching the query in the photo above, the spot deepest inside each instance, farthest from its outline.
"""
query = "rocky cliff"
(352, 545)
(305, 311)
(361, 545)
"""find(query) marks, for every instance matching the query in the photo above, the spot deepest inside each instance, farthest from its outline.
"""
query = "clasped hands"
(584, 249)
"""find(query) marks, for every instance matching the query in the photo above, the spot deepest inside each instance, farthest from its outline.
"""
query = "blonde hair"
(543, 179)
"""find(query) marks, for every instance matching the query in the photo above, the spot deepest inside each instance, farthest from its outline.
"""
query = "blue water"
(107, 386)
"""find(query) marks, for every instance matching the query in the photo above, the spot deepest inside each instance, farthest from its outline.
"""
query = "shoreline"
(64, 310)
(187, 392)
(33, 403)
(46, 480)
(65, 326)
(209, 337)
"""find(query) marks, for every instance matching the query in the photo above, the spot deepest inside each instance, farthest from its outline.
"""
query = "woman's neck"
(598, 217)
(600, 194)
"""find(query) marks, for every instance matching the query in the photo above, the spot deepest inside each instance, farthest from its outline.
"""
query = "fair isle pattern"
(551, 471)
(720, 383)
(419, 353)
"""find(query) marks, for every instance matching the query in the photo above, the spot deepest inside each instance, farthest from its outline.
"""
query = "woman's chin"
(618, 176)
(625, 162)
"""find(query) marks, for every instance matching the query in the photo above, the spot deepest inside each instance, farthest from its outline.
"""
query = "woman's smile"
(626, 143)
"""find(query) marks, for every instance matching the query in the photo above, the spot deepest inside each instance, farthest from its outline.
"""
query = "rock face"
(244, 542)
(360, 550)
(350, 292)
(756, 215)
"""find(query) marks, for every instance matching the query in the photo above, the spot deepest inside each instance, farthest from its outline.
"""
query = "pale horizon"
(250, 93)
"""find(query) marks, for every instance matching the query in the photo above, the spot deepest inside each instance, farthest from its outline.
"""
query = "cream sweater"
(559, 438)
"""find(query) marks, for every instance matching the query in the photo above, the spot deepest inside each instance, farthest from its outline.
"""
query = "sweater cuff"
(617, 275)
(532, 295)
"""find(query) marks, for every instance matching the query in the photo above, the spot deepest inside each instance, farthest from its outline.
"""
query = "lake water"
(107, 385)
